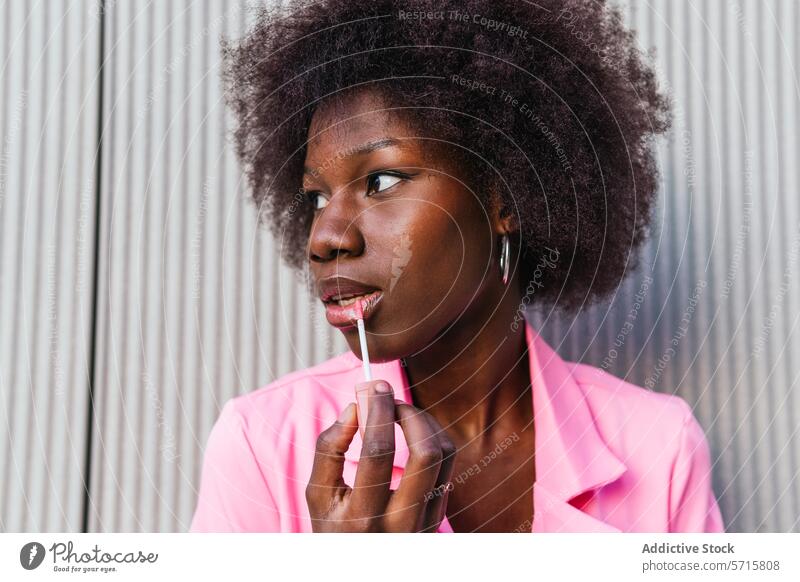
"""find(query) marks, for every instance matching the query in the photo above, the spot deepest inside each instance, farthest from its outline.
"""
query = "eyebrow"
(363, 149)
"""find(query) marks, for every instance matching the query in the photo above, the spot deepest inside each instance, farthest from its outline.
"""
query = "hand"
(370, 506)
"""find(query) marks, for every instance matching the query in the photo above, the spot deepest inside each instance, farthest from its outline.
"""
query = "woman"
(453, 163)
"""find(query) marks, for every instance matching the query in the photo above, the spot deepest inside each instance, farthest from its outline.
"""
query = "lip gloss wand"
(362, 338)
(362, 393)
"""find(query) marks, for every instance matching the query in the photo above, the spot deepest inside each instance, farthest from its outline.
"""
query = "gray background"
(137, 294)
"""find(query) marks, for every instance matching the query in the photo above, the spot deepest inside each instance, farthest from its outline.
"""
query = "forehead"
(350, 122)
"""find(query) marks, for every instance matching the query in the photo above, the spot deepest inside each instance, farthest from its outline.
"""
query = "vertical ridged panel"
(48, 117)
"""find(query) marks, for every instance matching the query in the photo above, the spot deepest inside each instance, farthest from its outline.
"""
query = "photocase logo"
(31, 555)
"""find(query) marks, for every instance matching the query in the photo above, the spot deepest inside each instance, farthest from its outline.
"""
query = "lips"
(337, 288)
(339, 294)
(344, 316)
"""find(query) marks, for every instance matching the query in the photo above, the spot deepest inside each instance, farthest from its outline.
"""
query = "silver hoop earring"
(505, 250)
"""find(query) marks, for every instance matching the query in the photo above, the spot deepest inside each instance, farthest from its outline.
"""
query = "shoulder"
(663, 446)
(645, 429)
(308, 393)
(616, 402)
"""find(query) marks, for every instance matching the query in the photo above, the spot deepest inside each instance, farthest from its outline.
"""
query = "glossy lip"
(345, 317)
(338, 285)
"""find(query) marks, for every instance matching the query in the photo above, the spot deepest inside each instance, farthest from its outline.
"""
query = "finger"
(326, 473)
(408, 502)
(374, 474)
(436, 507)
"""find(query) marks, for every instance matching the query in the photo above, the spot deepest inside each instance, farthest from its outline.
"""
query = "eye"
(315, 198)
(378, 182)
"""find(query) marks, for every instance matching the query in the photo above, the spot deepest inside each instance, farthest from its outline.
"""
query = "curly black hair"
(549, 105)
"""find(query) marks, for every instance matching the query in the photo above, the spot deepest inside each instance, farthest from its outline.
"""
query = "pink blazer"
(610, 456)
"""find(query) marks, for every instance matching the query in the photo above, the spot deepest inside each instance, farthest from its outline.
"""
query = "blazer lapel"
(552, 514)
(571, 455)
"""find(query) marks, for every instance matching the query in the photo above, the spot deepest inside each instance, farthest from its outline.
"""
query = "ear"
(503, 221)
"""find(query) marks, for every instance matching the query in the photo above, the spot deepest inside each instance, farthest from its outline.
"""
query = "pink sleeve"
(693, 507)
(234, 495)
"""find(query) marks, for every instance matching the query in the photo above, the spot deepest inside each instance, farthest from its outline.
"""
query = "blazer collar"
(571, 455)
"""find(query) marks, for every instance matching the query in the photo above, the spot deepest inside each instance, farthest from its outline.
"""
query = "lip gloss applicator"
(362, 394)
(362, 338)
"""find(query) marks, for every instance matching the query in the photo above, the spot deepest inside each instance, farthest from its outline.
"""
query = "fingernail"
(382, 387)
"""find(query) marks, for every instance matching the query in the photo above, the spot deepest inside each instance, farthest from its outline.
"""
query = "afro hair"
(548, 105)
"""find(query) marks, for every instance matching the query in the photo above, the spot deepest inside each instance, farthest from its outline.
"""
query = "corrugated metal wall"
(184, 303)
(48, 144)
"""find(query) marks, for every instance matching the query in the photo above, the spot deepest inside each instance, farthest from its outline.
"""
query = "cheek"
(437, 256)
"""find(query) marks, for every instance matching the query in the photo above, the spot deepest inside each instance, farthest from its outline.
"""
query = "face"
(394, 224)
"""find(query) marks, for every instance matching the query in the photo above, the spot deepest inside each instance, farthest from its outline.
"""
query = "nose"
(335, 231)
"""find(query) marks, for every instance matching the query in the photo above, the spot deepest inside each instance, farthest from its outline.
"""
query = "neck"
(474, 378)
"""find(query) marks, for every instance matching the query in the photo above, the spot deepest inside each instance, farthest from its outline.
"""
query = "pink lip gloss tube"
(362, 400)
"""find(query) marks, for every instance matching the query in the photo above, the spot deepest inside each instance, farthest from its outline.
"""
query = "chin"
(380, 352)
